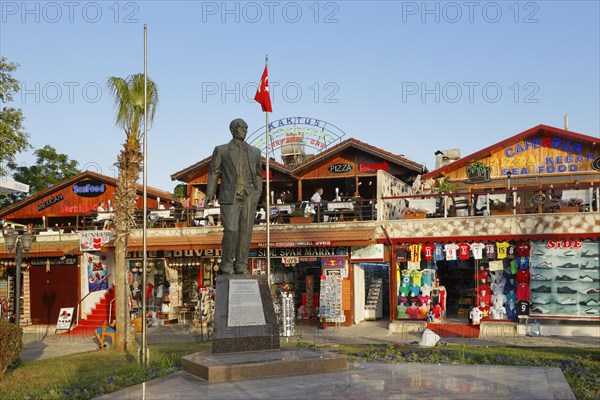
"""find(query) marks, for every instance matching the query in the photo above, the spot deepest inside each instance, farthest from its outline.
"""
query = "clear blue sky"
(408, 77)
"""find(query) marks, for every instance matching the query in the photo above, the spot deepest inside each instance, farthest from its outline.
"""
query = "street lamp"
(23, 242)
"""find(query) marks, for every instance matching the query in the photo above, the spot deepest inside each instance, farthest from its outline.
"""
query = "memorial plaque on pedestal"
(244, 316)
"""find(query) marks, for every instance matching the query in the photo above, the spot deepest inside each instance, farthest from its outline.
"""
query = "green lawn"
(85, 375)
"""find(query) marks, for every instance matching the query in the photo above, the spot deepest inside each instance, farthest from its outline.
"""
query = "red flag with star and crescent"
(262, 94)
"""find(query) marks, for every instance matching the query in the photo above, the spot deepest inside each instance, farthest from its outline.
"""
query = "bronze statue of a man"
(239, 166)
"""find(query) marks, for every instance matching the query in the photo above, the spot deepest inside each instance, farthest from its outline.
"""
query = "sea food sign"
(548, 165)
(89, 188)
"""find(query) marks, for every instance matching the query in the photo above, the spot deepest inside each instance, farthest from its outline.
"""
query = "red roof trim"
(530, 132)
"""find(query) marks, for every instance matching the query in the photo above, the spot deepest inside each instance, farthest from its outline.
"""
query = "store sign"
(564, 244)
(89, 188)
(176, 253)
(300, 252)
(373, 166)
(372, 252)
(53, 261)
(340, 168)
(93, 240)
(297, 244)
(50, 201)
(333, 262)
(290, 260)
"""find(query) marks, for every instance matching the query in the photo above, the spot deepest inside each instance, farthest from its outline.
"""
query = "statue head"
(238, 128)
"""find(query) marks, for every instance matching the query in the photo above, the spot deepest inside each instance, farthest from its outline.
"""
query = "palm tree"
(129, 102)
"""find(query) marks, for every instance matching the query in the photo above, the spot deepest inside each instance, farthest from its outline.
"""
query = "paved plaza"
(361, 380)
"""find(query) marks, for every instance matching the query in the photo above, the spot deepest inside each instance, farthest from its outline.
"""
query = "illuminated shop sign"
(176, 253)
(300, 252)
(89, 188)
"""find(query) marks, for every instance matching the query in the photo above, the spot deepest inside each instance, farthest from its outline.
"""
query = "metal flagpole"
(145, 227)
(268, 188)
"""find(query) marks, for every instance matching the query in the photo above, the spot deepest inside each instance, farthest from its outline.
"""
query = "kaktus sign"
(89, 188)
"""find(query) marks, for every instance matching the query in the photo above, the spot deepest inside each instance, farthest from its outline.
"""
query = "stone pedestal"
(244, 316)
(246, 338)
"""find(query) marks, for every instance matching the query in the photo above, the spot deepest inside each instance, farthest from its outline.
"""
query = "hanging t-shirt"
(511, 252)
(428, 251)
(438, 254)
(477, 249)
(498, 312)
(414, 290)
(502, 248)
(463, 250)
(415, 277)
(413, 312)
(523, 292)
(402, 314)
(415, 252)
(523, 263)
(511, 296)
(450, 250)
(513, 267)
(490, 251)
(481, 274)
(401, 251)
(426, 290)
(427, 277)
(523, 276)
(405, 278)
(523, 307)
(437, 311)
(402, 299)
(159, 291)
(403, 290)
(424, 300)
(498, 300)
(523, 249)
(149, 290)
(485, 310)
(511, 311)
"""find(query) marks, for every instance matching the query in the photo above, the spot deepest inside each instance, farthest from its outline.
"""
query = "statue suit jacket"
(222, 165)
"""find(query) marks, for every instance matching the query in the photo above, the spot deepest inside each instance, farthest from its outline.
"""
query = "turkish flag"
(262, 94)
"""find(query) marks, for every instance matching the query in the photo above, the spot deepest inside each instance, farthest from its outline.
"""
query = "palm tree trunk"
(129, 163)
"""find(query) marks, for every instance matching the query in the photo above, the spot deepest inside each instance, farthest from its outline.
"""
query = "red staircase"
(100, 313)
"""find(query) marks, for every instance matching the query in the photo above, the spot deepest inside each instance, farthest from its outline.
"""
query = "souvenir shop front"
(501, 279)
(175, 282)
(308, 282)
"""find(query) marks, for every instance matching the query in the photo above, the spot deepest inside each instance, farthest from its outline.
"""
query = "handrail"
(82, 299)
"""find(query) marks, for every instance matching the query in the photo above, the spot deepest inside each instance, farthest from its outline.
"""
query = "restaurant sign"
(340, 168)
(89, 188)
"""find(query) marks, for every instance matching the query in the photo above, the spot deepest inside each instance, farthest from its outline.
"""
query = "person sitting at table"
(101, 206)
(317, 203)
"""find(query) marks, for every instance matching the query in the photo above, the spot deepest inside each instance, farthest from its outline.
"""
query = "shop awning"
(45, 249)
(10, 186)
(283, 235)
(452, 239)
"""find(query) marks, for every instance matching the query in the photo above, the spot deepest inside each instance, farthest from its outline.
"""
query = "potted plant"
(565, 205)
(298, 217)
(501, 208)
(413, 213)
